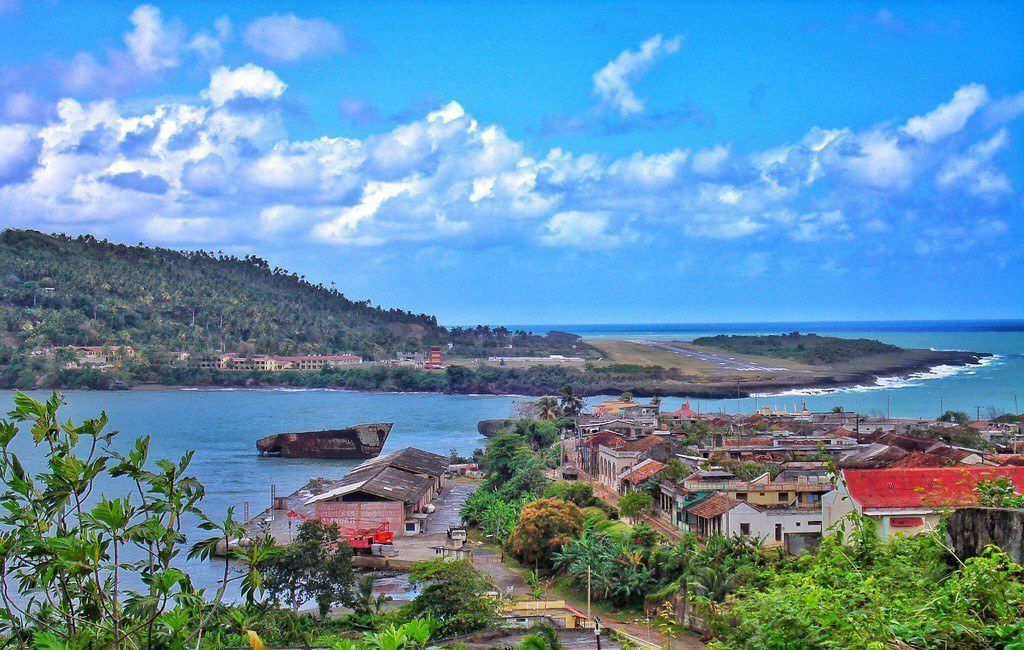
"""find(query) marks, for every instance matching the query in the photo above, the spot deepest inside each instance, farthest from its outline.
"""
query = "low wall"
(970, 530)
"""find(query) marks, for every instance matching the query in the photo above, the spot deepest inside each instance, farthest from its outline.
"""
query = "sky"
(541, 162)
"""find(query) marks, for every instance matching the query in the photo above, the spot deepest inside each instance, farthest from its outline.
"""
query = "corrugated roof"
(411, 459)
(915, 488)
(643, 444)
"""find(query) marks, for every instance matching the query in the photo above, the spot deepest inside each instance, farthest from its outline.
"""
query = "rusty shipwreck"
(359, 441)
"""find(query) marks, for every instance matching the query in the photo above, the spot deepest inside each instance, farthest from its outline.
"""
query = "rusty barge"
(359, 441)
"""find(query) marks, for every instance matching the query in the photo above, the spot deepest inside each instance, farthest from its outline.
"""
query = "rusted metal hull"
(360, 441)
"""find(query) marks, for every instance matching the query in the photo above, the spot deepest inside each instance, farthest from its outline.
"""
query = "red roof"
(713, 506)
(606, 438)
(644, 472)
(643, 444)
(924, 487)
(684, 411)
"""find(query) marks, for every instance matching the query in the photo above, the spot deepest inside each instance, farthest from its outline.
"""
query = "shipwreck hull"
(360, 441)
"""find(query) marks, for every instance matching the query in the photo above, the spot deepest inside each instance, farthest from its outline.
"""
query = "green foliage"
(454, 594)
(541, 637)
(491, 514)
(958, 417)
(635, 504)
(999, 492)
(71, 559)
(617, 569)
(514, 469)
(57, 290)
(578, 492)
(807, 348)
(900, 593)
(316, 566)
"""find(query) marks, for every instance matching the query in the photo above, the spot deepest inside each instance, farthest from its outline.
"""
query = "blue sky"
(539, 162)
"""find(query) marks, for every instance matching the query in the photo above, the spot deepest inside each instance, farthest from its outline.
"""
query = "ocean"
(223, 425)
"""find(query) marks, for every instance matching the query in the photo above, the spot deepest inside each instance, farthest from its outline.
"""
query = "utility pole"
(977, 411)
(888, 408)
(1015, 410)
(942, 408)
(588, 591)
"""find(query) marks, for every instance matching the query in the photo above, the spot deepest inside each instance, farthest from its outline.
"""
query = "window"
(813, 523)
(410, 527)
(744, 529)
(783, 496)
(742, 496)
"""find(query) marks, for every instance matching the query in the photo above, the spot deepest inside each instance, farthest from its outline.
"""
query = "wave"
(894, 381)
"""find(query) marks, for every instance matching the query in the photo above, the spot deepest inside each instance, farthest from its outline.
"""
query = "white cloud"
(249, 81)
(19, 150)
(153, 44)
(949, 117)
(576, 229)
(974, 171)
(288, 38)
(613, 83)
(225, 168)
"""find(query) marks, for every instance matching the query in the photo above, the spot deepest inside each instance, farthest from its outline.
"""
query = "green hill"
(806, 348)
(57, 290)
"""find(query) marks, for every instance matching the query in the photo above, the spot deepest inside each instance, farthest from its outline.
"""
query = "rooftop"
(923, 487)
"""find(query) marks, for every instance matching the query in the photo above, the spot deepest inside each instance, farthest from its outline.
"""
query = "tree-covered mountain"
(57, 290)
(806, 348)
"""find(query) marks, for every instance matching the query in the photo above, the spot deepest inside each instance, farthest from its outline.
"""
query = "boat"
(359, 441)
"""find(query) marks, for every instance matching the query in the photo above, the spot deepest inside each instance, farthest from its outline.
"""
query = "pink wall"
(368, 514)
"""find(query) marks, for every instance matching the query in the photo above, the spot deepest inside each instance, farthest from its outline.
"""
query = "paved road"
(722, 359)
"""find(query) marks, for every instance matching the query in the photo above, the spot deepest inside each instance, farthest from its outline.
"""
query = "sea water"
(222, 426)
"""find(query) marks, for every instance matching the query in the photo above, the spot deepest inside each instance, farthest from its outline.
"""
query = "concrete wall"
(970, 530)
(762, 523)
(363, 514)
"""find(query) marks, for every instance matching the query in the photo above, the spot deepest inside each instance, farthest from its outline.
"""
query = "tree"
(71, 563)
(626, 397)
(548, 408)
(571, 401)
(999, 492)
(316, 566)
(582, 494)
(454, 594)
(957, 417)
(635, 504)
(544, 527)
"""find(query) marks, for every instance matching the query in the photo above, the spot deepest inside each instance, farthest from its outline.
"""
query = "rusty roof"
(714, 505)
(410, 459)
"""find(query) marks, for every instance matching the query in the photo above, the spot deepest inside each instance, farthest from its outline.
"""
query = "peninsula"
(79, 312)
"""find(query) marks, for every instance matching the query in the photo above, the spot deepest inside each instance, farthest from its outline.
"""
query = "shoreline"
(926, 363)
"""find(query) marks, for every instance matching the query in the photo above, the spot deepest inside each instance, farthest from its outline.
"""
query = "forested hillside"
(57, 290)
(807, 348)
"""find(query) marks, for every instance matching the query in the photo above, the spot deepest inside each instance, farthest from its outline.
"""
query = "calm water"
(222, 425)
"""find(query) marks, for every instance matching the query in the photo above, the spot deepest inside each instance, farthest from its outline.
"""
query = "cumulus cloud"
(949, 117)
(249, 81)
(288, 38)
(613, 84)
(19, 150)
(223, 169)
(587, 230)
(153, 44)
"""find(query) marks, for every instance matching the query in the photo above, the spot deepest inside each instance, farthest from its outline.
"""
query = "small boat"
(359, 441)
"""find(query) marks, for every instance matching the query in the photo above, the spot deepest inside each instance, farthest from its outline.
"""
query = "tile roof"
(713, 506)
(1005, 459)
(643, 444)
(606, 438)
(923, 487)
(684, 411)
(644, 471)
(923, 459)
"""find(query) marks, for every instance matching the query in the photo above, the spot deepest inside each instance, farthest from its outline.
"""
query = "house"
(682, 415)
(641, 472)
(614, 461)
(589, 449)
(909, 501)
(395, 489)
(628, 427)
(719, 514)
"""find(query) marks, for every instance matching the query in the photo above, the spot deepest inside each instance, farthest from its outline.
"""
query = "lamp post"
(597, 631)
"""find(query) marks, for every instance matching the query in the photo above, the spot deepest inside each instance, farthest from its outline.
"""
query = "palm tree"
(548, 408)
(571, 401)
